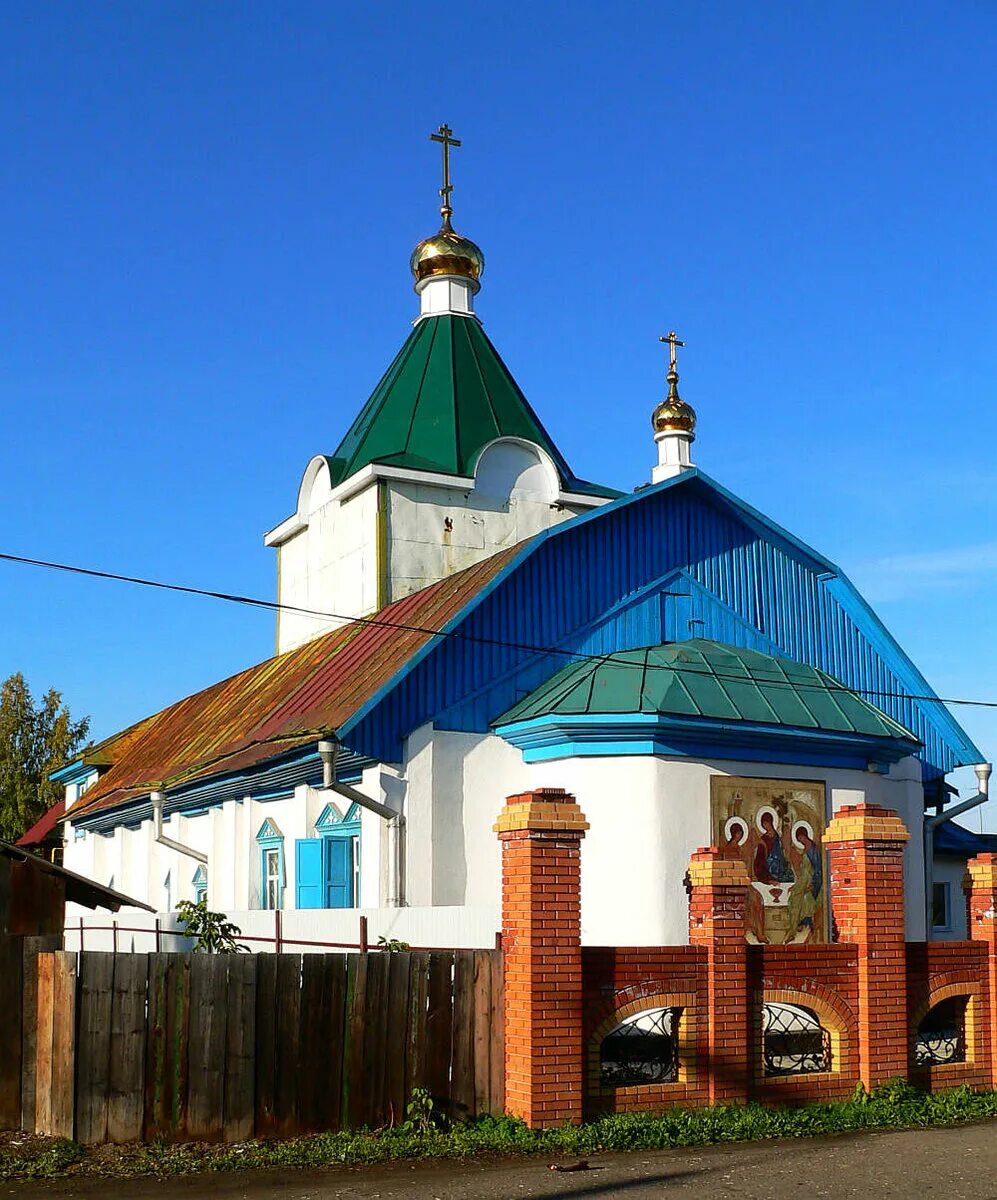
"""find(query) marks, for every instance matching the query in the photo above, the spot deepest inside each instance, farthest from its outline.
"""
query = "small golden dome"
(673, 414)
(447, 253)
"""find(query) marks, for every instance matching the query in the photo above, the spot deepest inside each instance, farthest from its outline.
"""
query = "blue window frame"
(200, 882)
(327, 867)
(270, 841)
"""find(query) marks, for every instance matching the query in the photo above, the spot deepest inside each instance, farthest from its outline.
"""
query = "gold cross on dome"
(672, 339)
(444, 135)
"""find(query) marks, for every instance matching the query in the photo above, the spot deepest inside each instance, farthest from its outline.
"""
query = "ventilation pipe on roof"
(328, 750)
(983, 773)
(158, 800)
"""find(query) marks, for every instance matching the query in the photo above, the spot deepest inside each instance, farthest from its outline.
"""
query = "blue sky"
(207, 213)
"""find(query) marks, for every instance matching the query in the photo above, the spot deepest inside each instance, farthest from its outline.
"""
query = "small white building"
(464, 619)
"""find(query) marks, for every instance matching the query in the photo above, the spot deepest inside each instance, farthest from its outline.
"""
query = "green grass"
(894, 1106)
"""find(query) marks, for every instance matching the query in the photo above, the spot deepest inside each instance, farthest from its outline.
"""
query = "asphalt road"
(951, 1164)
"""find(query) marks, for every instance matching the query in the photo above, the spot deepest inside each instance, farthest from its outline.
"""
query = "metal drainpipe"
(983, 773)
(158, 799)
(328, 752)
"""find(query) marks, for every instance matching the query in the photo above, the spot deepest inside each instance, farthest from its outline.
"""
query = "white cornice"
(370, 474)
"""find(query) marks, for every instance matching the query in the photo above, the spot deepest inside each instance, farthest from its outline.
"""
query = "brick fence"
(865, 1008)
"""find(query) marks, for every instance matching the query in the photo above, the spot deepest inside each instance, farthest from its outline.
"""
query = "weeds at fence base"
(896, 1105)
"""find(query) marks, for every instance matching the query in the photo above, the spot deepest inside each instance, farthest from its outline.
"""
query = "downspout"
(158, 799)
(983, 773)
(328, 750)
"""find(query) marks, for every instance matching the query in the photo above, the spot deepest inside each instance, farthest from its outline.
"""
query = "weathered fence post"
(982, 910)
(55, 1060)
(541, 836)
(865, 848)
(718, 898)
(11, 1003)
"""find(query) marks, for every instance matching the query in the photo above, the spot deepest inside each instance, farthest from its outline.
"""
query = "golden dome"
(673, 414)
(447, 253)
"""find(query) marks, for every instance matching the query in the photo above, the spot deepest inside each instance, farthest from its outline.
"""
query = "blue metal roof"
(681, 559)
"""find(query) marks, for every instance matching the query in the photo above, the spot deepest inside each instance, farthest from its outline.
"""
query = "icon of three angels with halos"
(775, 827)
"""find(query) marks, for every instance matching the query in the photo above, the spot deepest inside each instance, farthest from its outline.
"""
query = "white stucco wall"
(647, 816)
(421, 547)
(329, 553)
(329, 566)
(134, 863)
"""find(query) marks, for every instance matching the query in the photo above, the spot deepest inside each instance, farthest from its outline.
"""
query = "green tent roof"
(701, 678)
(446, 396)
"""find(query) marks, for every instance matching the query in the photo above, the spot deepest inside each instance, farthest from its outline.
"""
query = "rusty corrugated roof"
(282, 703)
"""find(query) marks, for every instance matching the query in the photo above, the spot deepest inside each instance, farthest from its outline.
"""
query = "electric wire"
(613, 658)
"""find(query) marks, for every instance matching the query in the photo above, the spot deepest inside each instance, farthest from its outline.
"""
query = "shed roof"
(79, 889)
(703, 678)
(446, 395)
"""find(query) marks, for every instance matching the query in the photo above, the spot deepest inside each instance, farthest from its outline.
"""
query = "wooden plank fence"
(228, 1047)
(19, 1026)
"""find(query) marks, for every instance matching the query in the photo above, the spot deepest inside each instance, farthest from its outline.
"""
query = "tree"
(34, 741)
(212, 932)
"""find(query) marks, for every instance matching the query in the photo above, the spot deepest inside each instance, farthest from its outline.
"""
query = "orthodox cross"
(444, 135)
(672, 339)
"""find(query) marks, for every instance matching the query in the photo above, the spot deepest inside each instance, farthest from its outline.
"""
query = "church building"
(464, 619)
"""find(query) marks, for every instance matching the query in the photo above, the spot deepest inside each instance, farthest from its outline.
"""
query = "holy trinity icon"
(775, 827)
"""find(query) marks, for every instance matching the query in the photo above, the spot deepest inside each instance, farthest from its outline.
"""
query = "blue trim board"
(74, 772)
(748, 580)
(542, 739)
(271, 780)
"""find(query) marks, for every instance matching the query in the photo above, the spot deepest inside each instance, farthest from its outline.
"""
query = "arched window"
(794, 1041)
(642, 1049)
(941, 1036)
(200, 882)
(270, 841)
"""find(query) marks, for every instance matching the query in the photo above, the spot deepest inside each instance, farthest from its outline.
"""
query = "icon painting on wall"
(776, 828)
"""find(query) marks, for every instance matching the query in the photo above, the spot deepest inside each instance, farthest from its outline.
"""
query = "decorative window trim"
(333, 823)
(832, 1020)
(270, 838)
(200, 882)
(686, 1049)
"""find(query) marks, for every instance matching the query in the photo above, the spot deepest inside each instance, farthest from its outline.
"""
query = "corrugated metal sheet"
(704, 678)
(594, 584)
(281, 703)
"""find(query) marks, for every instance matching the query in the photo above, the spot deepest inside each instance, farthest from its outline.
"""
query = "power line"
(577, 655)
(276, 606)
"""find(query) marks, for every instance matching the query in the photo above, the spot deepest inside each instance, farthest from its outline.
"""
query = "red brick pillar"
(718, 898)
(541, 835)
(982, 908)
(865, 849)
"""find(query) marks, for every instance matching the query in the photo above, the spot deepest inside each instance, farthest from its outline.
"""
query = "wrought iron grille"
(941, 1036)
(794, 1041)
(641, 1049)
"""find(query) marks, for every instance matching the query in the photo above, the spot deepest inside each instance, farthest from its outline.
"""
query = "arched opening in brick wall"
(794, 1042)
(799, 1034)
(944, 1027)
(641, 1049)
(644, 1048)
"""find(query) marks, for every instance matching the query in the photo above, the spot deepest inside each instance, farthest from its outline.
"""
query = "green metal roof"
(701, 678)
(446, 396)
